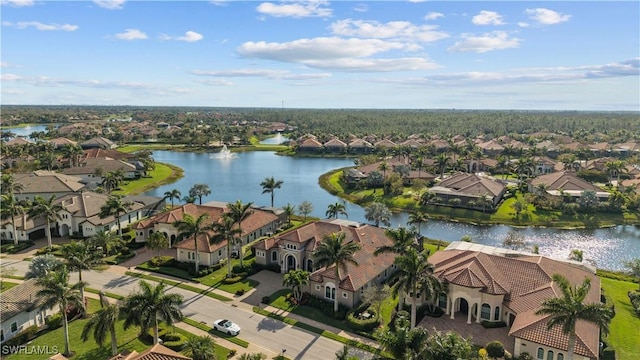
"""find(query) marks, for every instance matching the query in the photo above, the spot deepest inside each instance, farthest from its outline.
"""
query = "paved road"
(263, 332)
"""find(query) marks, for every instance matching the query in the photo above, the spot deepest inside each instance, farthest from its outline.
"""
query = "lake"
(240, 178)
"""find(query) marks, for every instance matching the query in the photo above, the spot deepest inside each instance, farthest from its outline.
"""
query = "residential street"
(266, 334)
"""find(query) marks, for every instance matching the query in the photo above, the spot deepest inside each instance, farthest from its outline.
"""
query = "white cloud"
(214, 82)
(433, 15)
(496, 40)
(373, 65)
(18, 3)
(189, 36)
(10, 77)
(397, 30)
(523, 24)
(296, 9)
(546, 17)
(131, 34)
(110, 4)
(265, 73)
(487, 18)
(361, 7)
(41, 26)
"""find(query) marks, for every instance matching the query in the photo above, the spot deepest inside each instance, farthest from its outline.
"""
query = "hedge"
(174, 341)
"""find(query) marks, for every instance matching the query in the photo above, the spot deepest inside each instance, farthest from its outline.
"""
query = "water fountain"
(225, 153)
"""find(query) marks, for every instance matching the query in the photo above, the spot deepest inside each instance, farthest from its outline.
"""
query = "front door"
(291, 263)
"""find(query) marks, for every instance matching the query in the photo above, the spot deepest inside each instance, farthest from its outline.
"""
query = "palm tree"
(41, 265)
(269, 185)
(157, 241)
(190, 226)
(402, 239)
(47, 208)
(378, 213)
(634, 268)
(115, 207)
(57, 291)
(73, 153)
(383, 167)
(80, 256)
(333, 210)
(253, 356)
(199, 190)
(418, 218)
(226, 231)
(333, 251)
(10, 208)
(289, 211)
(107, 241)
(200, 348)
(172, 194)
(442, 160)
(103, 322)
(239, 212)
(150, 304)
(296, 280)
(415, 276)
(10, 186)
(567, 310)
(404, 343)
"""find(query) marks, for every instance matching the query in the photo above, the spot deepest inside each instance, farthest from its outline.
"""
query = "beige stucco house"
(21, 309)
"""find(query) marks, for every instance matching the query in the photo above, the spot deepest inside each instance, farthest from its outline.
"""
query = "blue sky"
(320, 54)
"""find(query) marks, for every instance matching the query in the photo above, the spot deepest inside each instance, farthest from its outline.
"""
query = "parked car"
(226, 326)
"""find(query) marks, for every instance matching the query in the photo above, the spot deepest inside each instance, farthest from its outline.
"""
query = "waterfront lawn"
(623, 336)
(131, 148)
(162, 174)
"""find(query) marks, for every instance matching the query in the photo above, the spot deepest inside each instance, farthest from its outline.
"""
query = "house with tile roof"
(156, 352)
(565, 183)
(46, 183)
(21, 308)
(98, 141)
(360, 146)
(293, 250)
(310, 144)
(92, 169)
(468, 188)
(490, 284)
(261, 222)
(335, 145)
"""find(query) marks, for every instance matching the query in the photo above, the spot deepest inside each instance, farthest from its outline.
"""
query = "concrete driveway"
(270, 282)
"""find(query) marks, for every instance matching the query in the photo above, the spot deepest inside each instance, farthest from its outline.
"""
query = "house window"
(496, 314)
(329, 292)
(385, 273)
(560, 356)
(485, 312)
(318, 287)
(219, 252)
(345, 295)
(442, 301)
(14, 327)
(274, 256)
(540, 355)
(549, 355)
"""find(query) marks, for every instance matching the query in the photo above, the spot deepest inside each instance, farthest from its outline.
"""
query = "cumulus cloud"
(396, 30)
(297, 9)
(41, 26)
(10, 77)
(544, 16)
(131, 34)
(487, 18)
(433, 15)
(496, 40)
(110, 4)
(189, 36)
(17, 3)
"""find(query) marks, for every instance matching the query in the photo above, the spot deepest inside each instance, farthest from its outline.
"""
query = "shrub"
(232, 280)
(266, 300)
(240, 292)
(46, 250)
(634, 296)
(608, 354)
(492, 325)
(133, 245)
(125, 251)
(54, 321)
(232, 353)
(161, 261)
(327, 308)
(525, 356)
(482, 354)
(271, 267)
(495, 349)
(174, 341)
(364, 325)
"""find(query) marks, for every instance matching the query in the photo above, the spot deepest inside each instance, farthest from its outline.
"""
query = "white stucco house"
(21, 309)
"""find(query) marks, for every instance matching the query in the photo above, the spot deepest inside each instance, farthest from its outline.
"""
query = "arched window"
(442, 301)
(496, 314)
(549, 355)
(274, 256)
(540, 355)
(485, 312)
(560, 356)
(330, 292)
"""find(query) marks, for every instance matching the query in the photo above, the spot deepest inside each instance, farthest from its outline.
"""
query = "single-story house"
(46, 183)
(468, 188)
(92, 170)
(566, 182)
(21, 309)
(485, 283)
(98, 142)
(293, 250)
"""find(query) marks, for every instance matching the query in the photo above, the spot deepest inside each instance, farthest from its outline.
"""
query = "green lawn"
(6, 285)
(162, 174)
(136, 147)
(624, 335)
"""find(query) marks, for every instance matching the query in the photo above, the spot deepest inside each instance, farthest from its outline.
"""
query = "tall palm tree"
(199, 190)
(414, 276)
(80, 256)
(105, 240)
(289, 211)
(47, 208)
(57, 291)
(145, 307)
(567, 310)
(190, 226)
(383, 167)
(10, 208)
(172, 194)
(226, 231)
(296, 280)
(10, 186)
(103, 322)
(333, 251)
(157, 241)
(115, 207)
(239, 212)
(200, 348)
(404, 343)
(378, 213)
(418, 218)
(442, 160)
(333, 210)
(269, 186)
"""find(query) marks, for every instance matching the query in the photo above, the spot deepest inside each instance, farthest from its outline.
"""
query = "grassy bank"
(624, 336)
(161, 175)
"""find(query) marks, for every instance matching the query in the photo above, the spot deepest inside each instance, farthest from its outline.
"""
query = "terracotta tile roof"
(336, 143)
(564, 180)
(106, 153)
(41, 181)
(526, 281)
(472, 184)
(89, 166)
(17, 141)
(310, 143)
(60, 141)
(385, 143)
(156, 352)
(360, 143)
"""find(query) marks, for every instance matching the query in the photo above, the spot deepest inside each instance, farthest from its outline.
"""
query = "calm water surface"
(240, 178)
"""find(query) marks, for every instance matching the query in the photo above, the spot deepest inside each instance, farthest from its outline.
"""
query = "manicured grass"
(136, 147)
(162, 174)
(205, 327)
(206, 292)
(624, 335)
(6, 285)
